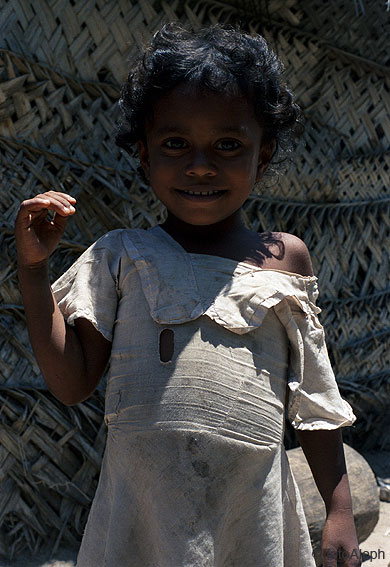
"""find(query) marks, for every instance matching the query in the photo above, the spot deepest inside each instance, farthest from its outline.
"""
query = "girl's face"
(197, 142)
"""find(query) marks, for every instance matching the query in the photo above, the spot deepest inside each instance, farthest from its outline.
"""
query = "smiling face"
(202, 142)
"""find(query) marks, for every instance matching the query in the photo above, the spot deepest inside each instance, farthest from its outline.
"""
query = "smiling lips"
(201, 195)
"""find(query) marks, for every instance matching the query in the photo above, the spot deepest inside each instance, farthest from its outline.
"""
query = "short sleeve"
(89, 288)
(314, 400)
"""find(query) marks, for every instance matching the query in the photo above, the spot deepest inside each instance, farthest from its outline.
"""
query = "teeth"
(202, 192)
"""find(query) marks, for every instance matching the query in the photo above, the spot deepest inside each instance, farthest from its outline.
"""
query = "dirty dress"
(194, 472)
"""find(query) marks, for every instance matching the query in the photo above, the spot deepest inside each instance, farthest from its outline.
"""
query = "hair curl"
(219, 58)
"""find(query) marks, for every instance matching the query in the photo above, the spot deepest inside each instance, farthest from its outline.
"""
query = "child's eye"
(229, 145)
(175, 144)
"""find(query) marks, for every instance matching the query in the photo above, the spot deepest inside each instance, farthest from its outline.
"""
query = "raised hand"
(36, 235)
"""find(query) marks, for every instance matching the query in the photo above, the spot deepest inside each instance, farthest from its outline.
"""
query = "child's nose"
(201, 165)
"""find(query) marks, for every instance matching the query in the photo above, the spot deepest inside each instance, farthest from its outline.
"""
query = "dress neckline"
(252, 267)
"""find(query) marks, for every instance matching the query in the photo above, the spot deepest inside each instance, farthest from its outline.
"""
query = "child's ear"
(266, 154)
(144, 157)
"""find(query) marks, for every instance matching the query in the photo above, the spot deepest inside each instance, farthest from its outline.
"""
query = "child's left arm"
(323, 448)
(324, 452)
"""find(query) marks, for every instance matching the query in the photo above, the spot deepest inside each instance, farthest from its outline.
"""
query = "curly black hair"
(222, 59)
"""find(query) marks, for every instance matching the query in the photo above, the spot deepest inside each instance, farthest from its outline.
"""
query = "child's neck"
(220, 237)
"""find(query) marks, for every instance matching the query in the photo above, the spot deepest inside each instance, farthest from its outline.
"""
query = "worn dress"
(194, 471)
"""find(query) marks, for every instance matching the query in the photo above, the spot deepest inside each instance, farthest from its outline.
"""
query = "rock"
(364, 490)
(379, 461)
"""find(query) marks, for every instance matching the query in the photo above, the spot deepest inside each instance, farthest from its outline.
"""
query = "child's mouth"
(201, 195)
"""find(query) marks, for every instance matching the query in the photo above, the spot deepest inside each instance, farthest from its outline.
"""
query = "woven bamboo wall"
(61, 66)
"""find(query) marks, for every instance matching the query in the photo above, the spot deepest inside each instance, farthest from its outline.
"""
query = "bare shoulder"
(296, 256)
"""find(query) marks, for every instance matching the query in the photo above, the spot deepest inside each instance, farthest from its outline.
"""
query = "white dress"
(194, 472)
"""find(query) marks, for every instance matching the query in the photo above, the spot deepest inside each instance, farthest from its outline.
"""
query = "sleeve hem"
(316, 425)
(70, 319)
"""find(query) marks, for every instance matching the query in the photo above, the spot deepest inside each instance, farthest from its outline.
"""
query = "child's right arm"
(72, 359)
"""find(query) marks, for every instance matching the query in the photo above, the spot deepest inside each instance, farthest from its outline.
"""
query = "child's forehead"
(193, 92)
(186, 104)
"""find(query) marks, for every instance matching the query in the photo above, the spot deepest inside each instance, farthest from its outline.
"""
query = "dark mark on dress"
(202, 468)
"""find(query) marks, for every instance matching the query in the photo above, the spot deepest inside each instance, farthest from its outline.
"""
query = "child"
(211, 329)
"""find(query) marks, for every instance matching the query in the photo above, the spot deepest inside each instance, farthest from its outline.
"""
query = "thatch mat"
(61, 66)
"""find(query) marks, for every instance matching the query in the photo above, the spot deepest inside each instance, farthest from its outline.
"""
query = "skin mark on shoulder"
(266, 249)
(273, 244)
(282, 251)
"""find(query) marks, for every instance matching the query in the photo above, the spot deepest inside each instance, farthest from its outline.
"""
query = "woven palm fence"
(61, 66)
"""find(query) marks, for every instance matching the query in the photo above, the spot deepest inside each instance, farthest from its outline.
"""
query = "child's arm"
(72, 359)
(325, 454)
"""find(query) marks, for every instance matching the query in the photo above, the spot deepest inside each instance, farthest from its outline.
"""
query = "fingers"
(333, 557)
(58, 222)
(329, 557)
(60, 203)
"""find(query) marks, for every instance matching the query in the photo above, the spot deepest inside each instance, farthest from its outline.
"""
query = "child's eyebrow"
(172, 128)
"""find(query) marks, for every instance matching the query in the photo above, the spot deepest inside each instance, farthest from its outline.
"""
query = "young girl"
(211, 329)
